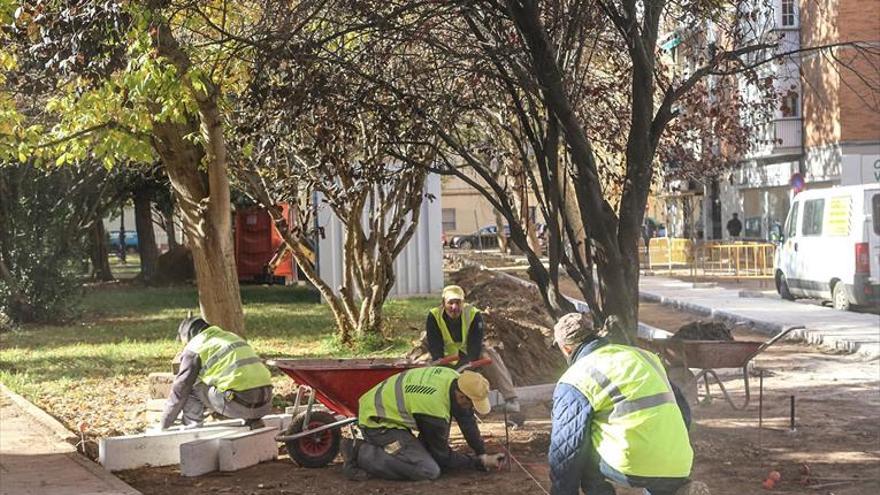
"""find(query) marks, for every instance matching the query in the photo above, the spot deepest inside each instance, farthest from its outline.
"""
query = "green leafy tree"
(111, 82)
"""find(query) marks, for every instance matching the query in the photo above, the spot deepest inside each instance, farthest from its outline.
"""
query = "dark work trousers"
(596, 480)
(204, 397)
(395, 454)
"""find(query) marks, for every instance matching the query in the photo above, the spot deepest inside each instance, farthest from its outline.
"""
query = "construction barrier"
(669, 252)
(711, 259)
(738, 259)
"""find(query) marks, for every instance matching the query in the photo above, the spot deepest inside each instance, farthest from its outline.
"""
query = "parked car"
(830, 247)
(131, 240)
(485, 238)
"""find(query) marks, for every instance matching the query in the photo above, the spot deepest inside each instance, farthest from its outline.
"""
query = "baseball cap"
(453, 292)
(572, 329)
(477, 389)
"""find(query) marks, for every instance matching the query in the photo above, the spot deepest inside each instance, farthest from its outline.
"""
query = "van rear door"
(872, 205)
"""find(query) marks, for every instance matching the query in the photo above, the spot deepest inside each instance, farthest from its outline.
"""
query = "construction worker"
(220, 372)
(424, 399)
(616, 417)
(456, 328)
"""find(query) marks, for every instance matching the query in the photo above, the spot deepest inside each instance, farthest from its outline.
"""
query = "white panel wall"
(418, 269)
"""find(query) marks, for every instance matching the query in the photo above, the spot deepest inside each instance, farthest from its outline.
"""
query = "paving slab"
(839, 330)
(153, 449)
(36, 460)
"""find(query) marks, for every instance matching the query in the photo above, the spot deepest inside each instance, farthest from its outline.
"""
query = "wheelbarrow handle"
(777, 337)
(475, 364)
(445, 360)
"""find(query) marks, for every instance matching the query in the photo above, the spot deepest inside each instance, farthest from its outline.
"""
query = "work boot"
(511, 405)
(693, 488)
(349, 465)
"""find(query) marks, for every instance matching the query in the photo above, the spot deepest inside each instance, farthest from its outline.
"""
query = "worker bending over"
(423, 399)
(220, 372)
(456, 328)
(616, 417)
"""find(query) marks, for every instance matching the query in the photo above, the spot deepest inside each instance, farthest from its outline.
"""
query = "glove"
(491, 461)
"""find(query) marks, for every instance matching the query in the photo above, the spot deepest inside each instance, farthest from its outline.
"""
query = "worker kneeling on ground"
(220, 372)
(425, 399)
(456, 329)
(616, 417)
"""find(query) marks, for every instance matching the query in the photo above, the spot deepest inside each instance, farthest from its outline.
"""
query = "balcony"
(779, 137)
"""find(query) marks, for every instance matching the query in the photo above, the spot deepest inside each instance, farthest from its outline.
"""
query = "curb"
(807, 336)
(64, 435)
(40, 415)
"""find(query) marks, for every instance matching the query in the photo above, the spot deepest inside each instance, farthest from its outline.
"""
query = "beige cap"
(453, 292)
(477, 389)
(572, 329)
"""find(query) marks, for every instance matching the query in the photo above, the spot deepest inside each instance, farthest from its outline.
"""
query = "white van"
(830, 246)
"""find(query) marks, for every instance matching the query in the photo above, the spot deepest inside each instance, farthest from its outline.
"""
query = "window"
(791, 104)
(448, 219)
(787, 13)
(791, 228)
(875, 202)
(813, 211)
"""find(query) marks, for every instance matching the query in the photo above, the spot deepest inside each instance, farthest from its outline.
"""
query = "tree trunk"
(502, 239)
(143, 220)
(98, 253)
(204, 201)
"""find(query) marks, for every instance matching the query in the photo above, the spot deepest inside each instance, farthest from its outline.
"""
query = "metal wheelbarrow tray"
(313, 437)
(708, 355)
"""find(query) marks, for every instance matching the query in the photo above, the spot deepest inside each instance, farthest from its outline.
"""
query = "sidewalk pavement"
(35, 459)
(841, 330)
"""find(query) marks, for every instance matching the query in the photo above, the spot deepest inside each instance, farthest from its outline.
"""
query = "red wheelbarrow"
(707, 355)
(313, 437)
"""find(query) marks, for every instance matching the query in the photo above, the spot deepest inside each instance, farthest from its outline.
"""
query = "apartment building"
(824, 129)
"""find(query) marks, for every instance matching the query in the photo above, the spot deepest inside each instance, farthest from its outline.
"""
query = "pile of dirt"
(175, 266)
(517, 325)
(703, 330)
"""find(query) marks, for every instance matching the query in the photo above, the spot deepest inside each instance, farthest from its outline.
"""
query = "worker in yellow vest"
(219, 372)
(456, 328)
(616, 418)
(423, 399)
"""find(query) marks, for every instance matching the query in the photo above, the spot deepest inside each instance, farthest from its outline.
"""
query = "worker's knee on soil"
(427, 470)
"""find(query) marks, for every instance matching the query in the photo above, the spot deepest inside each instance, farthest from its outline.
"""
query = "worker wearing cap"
(456, 328)
(423, 399)
(220, 372)
(616, 417)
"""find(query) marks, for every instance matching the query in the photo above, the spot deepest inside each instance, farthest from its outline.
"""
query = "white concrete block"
(157, 405)
(200, 456)
(247, 449)
(160, 384)
(280, 421)
(159, 449)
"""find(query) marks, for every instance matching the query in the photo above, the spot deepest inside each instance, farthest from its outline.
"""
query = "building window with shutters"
(448, 219)
(788, 19)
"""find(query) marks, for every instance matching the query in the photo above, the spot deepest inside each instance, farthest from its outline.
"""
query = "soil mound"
(517, 326)
(703, 330)
(175, 266)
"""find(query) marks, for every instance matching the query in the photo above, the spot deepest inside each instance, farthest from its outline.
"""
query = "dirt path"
(837, 437)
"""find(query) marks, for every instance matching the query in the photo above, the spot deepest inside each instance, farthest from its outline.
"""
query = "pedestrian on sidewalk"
(734, 226)
(423, 399)
(219, 372)
(456, 328)
(616, 417)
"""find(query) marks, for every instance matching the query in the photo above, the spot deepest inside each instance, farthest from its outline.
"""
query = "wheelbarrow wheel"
(317, 450)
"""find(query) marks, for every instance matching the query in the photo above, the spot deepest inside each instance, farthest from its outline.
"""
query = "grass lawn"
(93, 373)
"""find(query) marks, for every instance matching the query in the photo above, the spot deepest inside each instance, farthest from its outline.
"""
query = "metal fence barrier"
(718, 259)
